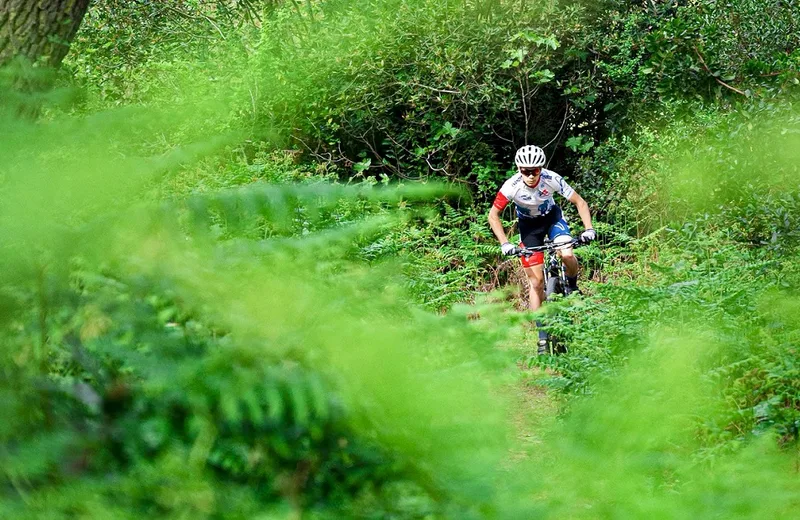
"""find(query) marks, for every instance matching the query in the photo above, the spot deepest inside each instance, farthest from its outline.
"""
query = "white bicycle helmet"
(530, 156)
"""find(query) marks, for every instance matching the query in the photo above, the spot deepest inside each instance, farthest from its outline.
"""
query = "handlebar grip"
(521, 251)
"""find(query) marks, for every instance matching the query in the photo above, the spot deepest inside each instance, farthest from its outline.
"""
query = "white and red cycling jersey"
(535, 201)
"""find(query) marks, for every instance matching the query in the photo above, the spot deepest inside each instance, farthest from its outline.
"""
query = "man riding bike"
(531, 190)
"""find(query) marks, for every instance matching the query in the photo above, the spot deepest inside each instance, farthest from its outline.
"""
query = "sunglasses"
(529, 172)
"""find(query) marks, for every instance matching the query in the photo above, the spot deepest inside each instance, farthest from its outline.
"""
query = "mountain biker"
(531, 190)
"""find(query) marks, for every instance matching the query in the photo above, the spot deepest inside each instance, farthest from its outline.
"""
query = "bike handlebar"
(528, 251)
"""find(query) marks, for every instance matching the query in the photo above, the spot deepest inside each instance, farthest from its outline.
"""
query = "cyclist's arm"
(497, 225)
(583, 209)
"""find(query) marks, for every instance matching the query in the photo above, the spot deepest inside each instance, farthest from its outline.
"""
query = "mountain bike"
(555, 282)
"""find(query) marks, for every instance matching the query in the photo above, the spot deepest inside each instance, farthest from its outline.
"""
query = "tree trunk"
(39, 30)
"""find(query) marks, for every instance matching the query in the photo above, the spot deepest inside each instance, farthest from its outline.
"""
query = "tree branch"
(439, 90)
(703, 63)
(564, 122)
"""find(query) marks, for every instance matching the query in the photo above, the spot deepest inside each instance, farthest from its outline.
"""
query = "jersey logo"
(544, 192)
(525, 197)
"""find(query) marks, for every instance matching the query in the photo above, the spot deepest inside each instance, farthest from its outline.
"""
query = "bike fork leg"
(562, 275)
(543, 341)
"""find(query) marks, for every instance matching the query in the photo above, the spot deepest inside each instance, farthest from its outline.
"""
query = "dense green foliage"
(246, 272)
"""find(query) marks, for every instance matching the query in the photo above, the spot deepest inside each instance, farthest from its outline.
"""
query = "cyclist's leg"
(559, 233)
(533, 236)
(570, 262)
(535, 275)
(532, 233)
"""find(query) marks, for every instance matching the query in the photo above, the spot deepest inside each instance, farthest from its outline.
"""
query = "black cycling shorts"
(532, 231)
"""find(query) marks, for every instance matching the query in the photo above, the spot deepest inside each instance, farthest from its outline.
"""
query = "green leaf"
(544, 76)
(361, 166)
(579, 144)
(573, 143)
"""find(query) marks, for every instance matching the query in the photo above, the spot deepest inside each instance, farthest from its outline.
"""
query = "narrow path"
(534, 414)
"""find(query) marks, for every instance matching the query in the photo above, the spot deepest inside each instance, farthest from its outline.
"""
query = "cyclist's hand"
(588, 235)
(507, 248)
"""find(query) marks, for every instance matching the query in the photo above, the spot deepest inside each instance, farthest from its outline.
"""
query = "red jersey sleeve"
(500, 202)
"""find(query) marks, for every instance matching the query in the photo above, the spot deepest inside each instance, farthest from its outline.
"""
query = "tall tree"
(39, 30)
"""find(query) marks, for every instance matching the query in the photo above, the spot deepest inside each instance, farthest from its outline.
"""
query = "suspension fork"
(556, 267)
(546, 270)
(551, 274)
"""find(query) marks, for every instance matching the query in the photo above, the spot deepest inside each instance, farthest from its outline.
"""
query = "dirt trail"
(534, 414)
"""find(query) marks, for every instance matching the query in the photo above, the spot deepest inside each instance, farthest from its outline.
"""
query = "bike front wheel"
(553, 286)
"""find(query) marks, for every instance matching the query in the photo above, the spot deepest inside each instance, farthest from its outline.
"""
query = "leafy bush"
(723, 250)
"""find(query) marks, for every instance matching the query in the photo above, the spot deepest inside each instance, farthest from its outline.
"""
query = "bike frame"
(555, 275)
